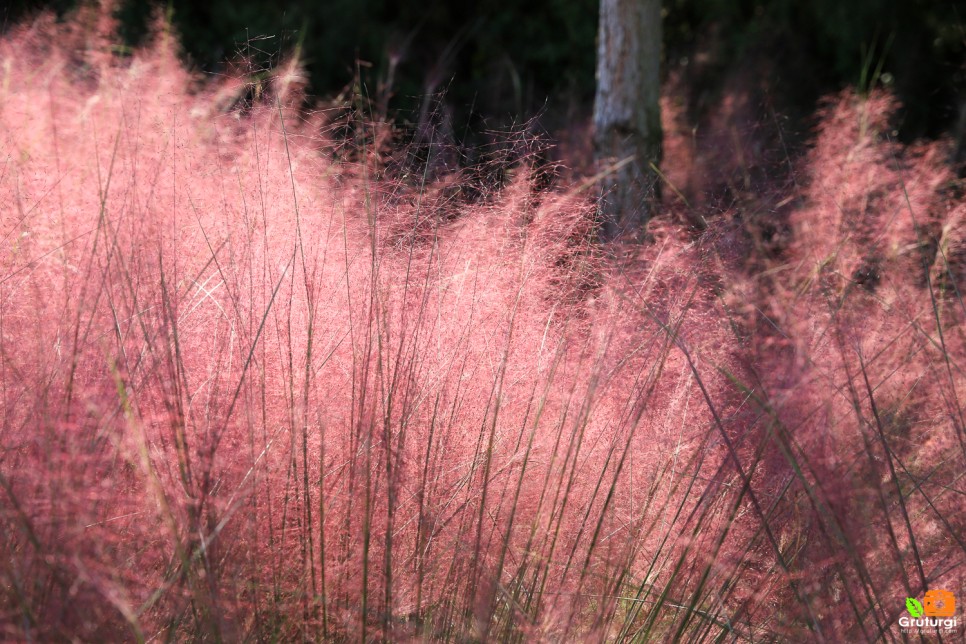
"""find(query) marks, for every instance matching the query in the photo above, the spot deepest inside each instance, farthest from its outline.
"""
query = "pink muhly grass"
(258, 388)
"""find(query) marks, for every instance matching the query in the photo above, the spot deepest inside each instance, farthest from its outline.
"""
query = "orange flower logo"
(939, 603)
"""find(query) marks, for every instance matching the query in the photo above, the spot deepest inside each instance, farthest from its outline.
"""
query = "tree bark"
(627, 114)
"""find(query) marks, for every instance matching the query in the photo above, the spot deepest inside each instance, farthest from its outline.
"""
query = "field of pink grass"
(256, 386)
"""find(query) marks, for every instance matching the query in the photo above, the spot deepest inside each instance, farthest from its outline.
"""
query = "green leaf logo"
(914, 606)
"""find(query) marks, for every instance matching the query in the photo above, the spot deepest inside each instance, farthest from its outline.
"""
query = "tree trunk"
(627, 115)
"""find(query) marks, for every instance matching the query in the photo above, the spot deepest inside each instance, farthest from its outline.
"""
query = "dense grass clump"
(260, 382)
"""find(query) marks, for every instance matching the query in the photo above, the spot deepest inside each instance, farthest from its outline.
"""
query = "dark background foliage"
(501, 62)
